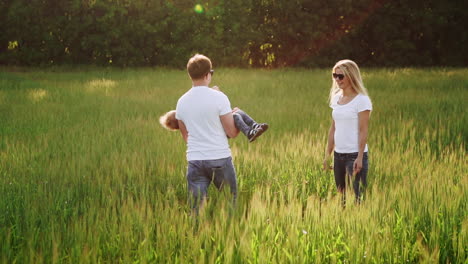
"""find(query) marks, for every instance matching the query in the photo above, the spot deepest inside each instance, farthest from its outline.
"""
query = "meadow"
(87, 174)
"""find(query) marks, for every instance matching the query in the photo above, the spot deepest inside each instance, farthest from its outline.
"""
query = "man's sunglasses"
(212, 72)
(338, 76)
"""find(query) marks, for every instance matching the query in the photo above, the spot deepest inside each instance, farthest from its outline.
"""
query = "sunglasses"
(338, 76)
(212, 72)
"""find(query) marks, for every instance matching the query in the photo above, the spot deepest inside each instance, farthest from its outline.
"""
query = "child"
(251, 129)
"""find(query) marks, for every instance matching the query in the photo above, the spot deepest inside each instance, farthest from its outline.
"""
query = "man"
(206, 121)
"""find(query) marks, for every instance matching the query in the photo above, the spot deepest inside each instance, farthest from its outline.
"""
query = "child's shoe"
(256, 131)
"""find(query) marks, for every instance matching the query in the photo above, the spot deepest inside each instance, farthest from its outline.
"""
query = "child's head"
(198, 66)
(169, 121)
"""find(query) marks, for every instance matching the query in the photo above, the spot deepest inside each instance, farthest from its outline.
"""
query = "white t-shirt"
(347, 123)
(200, 109)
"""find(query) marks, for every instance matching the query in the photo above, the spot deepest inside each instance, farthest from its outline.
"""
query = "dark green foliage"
(266, 33)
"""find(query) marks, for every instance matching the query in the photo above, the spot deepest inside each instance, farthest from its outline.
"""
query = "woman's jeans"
(200, 173)
(343, 166)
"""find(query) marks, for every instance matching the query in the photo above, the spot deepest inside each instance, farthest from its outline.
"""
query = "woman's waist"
(350, 155)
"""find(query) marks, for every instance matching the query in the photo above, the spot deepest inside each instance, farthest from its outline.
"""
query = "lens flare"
(198, 9)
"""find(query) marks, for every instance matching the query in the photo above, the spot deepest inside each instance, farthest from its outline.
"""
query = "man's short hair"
(198, 66)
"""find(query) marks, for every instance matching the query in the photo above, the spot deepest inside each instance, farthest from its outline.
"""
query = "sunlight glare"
(198, 9)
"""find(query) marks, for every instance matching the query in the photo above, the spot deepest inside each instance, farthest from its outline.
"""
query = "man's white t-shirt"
(200, 109)
(347, 123)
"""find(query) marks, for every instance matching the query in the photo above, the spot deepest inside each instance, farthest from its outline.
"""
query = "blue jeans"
(243, 122)
(200, 173)
(343, 166)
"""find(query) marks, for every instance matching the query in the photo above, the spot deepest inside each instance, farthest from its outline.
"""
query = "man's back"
(200, 110)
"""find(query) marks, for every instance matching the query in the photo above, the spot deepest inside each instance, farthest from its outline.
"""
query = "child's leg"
(248, 126)
(247, 119)
(240, 123)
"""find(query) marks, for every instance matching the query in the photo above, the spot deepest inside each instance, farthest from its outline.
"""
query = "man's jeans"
(343, 166)
(200, 173)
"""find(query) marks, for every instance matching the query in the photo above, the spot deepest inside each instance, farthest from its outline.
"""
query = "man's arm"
(183, 130)
(228, 124)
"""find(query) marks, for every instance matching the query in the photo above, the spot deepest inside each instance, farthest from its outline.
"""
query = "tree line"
(238, 33)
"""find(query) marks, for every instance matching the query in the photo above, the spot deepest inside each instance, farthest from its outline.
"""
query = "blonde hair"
(198, 66)
(169, 121)
(351, 71)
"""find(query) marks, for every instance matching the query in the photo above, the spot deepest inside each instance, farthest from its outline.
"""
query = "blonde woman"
(349, 128)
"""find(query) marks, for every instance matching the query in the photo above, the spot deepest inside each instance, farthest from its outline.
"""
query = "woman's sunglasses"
(338, 76)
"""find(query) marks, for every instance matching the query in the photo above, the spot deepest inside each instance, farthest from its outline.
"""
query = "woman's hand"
(357, 166)
(326, 166)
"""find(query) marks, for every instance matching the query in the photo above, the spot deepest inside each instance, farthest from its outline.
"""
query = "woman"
(348, 131)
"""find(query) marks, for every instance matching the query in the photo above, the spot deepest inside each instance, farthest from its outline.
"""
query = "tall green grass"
(88, 175)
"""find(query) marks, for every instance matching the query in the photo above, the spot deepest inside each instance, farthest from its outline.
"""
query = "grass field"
(88, 175)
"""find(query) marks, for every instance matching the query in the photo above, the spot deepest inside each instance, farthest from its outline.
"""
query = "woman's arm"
(330, 146)
(363, 118)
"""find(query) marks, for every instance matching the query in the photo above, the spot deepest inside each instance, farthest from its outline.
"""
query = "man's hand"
(215, 88)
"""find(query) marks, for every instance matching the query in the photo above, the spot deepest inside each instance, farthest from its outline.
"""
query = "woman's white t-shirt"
(347, 123)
